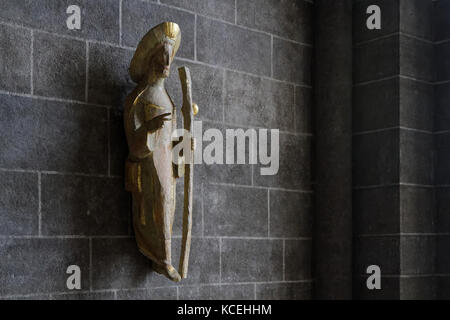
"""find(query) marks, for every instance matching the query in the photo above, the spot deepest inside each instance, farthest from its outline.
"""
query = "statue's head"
(155, 52)
(161, 60)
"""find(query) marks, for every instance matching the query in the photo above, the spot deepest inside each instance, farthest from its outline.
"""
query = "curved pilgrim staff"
(188, 114)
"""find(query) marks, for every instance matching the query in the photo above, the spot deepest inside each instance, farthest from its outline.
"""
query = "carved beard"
(161, 70)
(165, 71)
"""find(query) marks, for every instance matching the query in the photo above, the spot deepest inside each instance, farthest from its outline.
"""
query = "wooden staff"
(188, 115)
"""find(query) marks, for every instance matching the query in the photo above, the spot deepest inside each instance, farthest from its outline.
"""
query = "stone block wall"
(62, 145)
(393, 149)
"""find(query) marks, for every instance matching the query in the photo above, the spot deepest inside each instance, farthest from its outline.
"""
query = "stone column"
(393, 197)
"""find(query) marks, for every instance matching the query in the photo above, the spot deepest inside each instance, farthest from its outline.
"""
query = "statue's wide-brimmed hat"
(166, 31)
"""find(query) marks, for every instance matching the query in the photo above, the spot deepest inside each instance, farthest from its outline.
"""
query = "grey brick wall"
(62, 149)
(393, 150)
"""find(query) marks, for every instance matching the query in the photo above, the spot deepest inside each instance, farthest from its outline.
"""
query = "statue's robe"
(150, 178)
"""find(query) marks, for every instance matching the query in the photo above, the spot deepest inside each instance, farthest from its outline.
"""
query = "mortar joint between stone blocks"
(39, 176)
(32, 62)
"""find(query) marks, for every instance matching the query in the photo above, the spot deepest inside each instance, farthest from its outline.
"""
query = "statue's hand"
(157, 122)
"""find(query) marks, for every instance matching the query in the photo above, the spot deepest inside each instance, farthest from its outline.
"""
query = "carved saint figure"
(150, 119)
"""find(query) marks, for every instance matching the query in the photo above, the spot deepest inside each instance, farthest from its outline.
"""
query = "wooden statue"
(150, 119)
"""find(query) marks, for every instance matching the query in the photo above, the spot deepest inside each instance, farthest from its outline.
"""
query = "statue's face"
(162, 60)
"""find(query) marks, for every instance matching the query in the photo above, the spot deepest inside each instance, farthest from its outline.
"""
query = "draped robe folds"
(154, 200)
